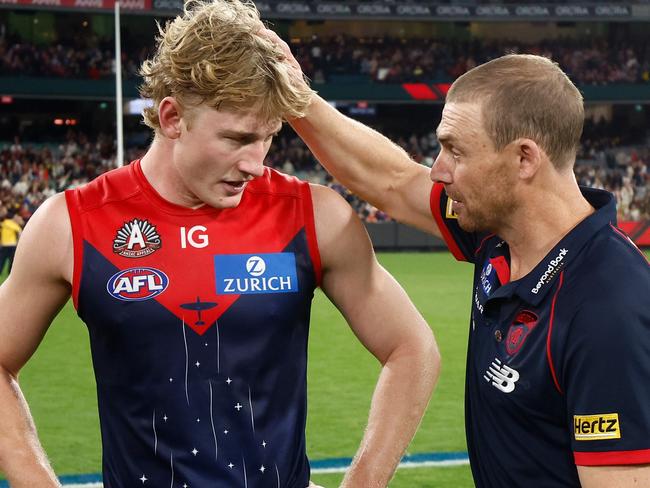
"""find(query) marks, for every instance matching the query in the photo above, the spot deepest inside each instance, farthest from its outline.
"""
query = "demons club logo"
(522, 326)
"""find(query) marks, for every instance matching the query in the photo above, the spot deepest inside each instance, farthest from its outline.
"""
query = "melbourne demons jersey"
(198, 322)
(558, 361)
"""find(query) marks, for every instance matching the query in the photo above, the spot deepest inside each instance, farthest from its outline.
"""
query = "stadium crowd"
(393, 60)
(594, 61)
(29, 173)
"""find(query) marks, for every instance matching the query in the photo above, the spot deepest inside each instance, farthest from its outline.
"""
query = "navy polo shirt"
(558, 362)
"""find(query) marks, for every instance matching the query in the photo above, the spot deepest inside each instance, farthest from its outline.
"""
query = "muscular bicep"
(373, 303)
(38, 285)
(614, 476)
(369, 164)
(409, 201)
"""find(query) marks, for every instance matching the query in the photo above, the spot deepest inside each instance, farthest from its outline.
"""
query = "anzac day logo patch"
(523, 325)
(136, 239)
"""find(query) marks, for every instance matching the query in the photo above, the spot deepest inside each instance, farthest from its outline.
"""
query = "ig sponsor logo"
(196, 237)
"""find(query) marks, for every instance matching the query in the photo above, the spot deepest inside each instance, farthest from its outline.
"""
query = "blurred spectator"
(10, 229)
(589, 61)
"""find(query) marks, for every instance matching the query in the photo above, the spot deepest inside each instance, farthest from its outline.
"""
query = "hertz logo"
(596, 427)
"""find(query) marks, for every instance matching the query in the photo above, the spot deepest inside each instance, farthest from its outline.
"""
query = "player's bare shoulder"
(342, 238)
(46, 242)
(332, 214)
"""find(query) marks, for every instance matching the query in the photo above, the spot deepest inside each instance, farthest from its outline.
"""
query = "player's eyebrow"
(247, 135)
(239, 134)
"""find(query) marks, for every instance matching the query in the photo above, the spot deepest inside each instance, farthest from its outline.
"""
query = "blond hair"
(213, 54)
(529, 96)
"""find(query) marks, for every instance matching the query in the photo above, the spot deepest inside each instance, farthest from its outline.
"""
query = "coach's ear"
(169, 115)
(530, 157)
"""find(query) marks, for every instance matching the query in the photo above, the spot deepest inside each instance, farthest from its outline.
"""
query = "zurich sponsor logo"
(255, 266)
(488, 278)
(244, 274)
(137, 284)
(553, 266)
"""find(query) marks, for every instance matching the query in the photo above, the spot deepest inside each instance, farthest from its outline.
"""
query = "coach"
(558, 363)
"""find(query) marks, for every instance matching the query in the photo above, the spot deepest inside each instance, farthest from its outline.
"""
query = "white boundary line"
(404, 465)
(86, 485)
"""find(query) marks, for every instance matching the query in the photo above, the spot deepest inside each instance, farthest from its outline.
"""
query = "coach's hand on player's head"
(296, 70)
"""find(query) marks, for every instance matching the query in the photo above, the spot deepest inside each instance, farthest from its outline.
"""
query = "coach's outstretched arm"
(31, 296)
(365, 161)
(389, 326)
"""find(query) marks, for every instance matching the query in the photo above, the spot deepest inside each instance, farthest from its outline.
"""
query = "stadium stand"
(344, 58)
(30, 172)
(38, 45)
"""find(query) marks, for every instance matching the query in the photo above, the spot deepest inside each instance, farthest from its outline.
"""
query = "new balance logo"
(501, 376)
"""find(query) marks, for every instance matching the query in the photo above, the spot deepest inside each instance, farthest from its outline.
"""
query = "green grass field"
(59, 384)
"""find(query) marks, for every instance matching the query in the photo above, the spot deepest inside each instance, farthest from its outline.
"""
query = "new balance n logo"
(501, 376)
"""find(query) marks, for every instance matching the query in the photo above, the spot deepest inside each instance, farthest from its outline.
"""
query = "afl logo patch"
(136, 239)
(137, 284)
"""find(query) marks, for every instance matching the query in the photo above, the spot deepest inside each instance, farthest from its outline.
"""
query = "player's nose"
(253, 162)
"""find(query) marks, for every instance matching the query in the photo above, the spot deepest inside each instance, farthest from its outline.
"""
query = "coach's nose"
(442, 169)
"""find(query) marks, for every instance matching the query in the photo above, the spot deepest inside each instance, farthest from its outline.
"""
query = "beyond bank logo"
(553, 266)
(245, 274)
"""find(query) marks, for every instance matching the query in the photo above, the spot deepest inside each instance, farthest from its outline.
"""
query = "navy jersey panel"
(547, 351)
(604, 354)
(198, 324)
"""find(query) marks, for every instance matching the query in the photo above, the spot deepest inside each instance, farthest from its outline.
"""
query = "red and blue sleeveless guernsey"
(198, 323)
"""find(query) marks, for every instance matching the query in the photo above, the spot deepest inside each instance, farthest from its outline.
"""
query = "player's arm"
(31, 296)
(614, 476)
(363, 160)
(389, 326)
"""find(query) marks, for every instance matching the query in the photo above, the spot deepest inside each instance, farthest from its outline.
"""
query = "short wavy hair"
(213, 54)
(524, 95)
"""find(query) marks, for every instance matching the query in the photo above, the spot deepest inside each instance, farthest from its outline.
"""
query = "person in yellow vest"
(9, 233)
